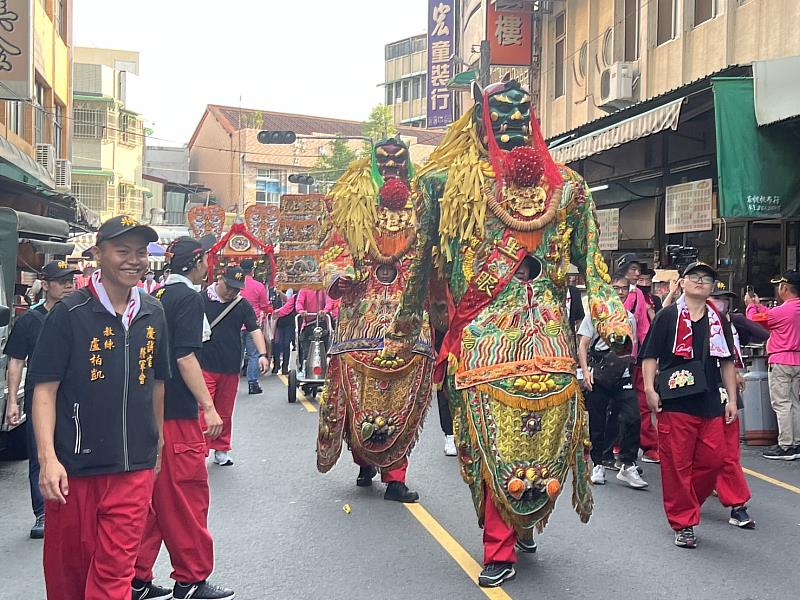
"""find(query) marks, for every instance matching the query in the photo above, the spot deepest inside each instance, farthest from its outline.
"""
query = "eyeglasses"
(620, 288)
(695, 278)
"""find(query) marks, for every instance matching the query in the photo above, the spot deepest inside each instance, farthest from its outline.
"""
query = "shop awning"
(48, 247)
(776, 97)
(644, 124)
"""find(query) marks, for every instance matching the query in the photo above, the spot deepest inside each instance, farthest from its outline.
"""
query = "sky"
(315, 57)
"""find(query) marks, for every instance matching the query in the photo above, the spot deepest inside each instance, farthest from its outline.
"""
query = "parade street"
(284, 531)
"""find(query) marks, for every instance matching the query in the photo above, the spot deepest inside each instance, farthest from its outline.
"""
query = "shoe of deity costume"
(378, 385)
(509, 353)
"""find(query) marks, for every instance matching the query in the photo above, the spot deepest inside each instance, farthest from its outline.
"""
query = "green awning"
(90, 98)
(757, 166)
(462, 81)
(95, 172)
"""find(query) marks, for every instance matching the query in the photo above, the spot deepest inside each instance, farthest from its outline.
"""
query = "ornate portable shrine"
(300, 235)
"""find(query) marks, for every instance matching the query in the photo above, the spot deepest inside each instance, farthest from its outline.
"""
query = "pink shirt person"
(313, 301)
(783, 322)
(256, 294)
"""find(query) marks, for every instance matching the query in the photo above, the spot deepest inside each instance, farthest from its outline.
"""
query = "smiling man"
(99, 370)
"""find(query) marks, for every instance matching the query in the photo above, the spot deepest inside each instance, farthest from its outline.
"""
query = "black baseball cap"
(790, 277)
(721, 291)
(183, 252)
(234, 277)
(699, 266)
(122, 224)
(58, 269)
(626, 260)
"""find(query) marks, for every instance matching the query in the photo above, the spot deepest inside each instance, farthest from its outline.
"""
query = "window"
(389, 94)
(704, 10)
(60, 18)
(560, 47)
(58, 128)
(415, 91)
(38, 115)
(270, 184)
(91, 193)
(129, 129)
(631, 8)
(90, 123)
(406, 90)
(14, 117)
(666, 25)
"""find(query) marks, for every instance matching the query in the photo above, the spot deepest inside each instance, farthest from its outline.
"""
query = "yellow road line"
(306, 404)
(454, 549)
(772, 480)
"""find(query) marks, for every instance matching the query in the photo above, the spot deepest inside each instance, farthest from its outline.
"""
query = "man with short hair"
(227, 313)
(99, 370)
(57, 281)
(179, 511)
(256, 294)
(645, 284)
(783, 348)
(690, 346)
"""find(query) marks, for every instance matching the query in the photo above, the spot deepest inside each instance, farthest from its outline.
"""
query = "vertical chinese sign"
(16, 50)
(441, 36)
(509, 29)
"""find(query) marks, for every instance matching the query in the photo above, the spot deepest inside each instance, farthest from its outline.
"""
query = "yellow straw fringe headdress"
(354, 211)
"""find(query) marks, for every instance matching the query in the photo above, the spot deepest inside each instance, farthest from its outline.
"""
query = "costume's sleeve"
(336, 261)
(608, 315)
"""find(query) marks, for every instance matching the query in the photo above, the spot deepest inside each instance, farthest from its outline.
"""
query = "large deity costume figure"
(519, 418)
(378, 385)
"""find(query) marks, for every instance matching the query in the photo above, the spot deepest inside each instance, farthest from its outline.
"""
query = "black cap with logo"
(790, 277)
(58, 269)
(184, 252)
(721, 291)
(699, 266)
(234, 277)
(122, 224)
(626, 260)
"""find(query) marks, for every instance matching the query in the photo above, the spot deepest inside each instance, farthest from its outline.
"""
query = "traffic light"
(277, 137)
(301, 179)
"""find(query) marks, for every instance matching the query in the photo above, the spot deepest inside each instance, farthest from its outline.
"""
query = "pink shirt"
(637, 304)
(256, 294)
(313, 301)
(783, 323)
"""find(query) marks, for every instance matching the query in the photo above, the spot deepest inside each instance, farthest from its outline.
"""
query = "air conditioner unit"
(616, 87)
(63, 175)
(46, 157)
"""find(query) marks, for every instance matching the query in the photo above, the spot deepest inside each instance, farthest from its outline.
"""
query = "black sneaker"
(779, 453)
(365, 475)
(275, 369)
(797, 451)
(202, 590)
(740, 518)
(37, 531)
(145, 590)
(398, 492)
(685, 538)
(611, 465)
(494, 574)
(526, 546)
(254, 388)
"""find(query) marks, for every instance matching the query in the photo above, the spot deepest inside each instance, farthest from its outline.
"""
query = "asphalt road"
(281, 531)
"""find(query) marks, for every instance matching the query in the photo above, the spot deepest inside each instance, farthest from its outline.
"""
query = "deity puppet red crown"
(523, 166)
(394, 194)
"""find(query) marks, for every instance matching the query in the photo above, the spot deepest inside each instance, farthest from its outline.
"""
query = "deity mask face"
(392, 158)
(509, 114)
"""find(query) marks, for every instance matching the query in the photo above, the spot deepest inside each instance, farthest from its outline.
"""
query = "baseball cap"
(183, 252)
(647, 271)
(122, 224)
(58, 269)
(699, 266)
(790, 277)
(234, 277)
(721, 291)
(626, 260)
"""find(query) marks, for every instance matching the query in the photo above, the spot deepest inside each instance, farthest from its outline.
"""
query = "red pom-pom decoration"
(523, 166)
(394, 194)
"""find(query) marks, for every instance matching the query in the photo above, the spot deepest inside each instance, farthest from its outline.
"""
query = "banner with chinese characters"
(441, 37)
(608, 224)
(509, 31)
(688, 207)
(757, 166)
(16, 50)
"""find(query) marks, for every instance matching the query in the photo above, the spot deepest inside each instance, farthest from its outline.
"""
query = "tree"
(333, 163)
(380, 124)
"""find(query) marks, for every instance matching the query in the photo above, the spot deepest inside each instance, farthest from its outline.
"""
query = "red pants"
(91, 542)
(499, 538)
(395, 472)
(223, 388)
(648, 435)
(691, 458)
(732, 488)
(179, 513)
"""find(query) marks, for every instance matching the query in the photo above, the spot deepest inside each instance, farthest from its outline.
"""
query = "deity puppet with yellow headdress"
(510, 223)
(377, 262)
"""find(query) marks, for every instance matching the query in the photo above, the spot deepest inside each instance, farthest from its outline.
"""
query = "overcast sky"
(316, 57)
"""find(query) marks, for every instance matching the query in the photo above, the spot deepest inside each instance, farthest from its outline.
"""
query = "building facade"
(35, 136)
(108, 136)
(406, 80)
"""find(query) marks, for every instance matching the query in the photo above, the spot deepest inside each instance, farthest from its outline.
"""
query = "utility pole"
(484, 73)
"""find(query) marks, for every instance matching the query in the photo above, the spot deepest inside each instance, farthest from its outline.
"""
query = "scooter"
(310, 371)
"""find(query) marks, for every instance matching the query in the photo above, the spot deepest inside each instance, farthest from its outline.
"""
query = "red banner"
(509, 33)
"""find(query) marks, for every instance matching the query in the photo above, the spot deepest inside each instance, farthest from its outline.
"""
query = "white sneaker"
(222, 458)
(450, 446)
(599, 475)
(630, 475)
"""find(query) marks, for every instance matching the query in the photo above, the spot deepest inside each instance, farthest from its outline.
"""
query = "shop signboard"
(688, 207)
(757, 166)
(608, 224)
(441, 47)
(509, 29)
(16, 50)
